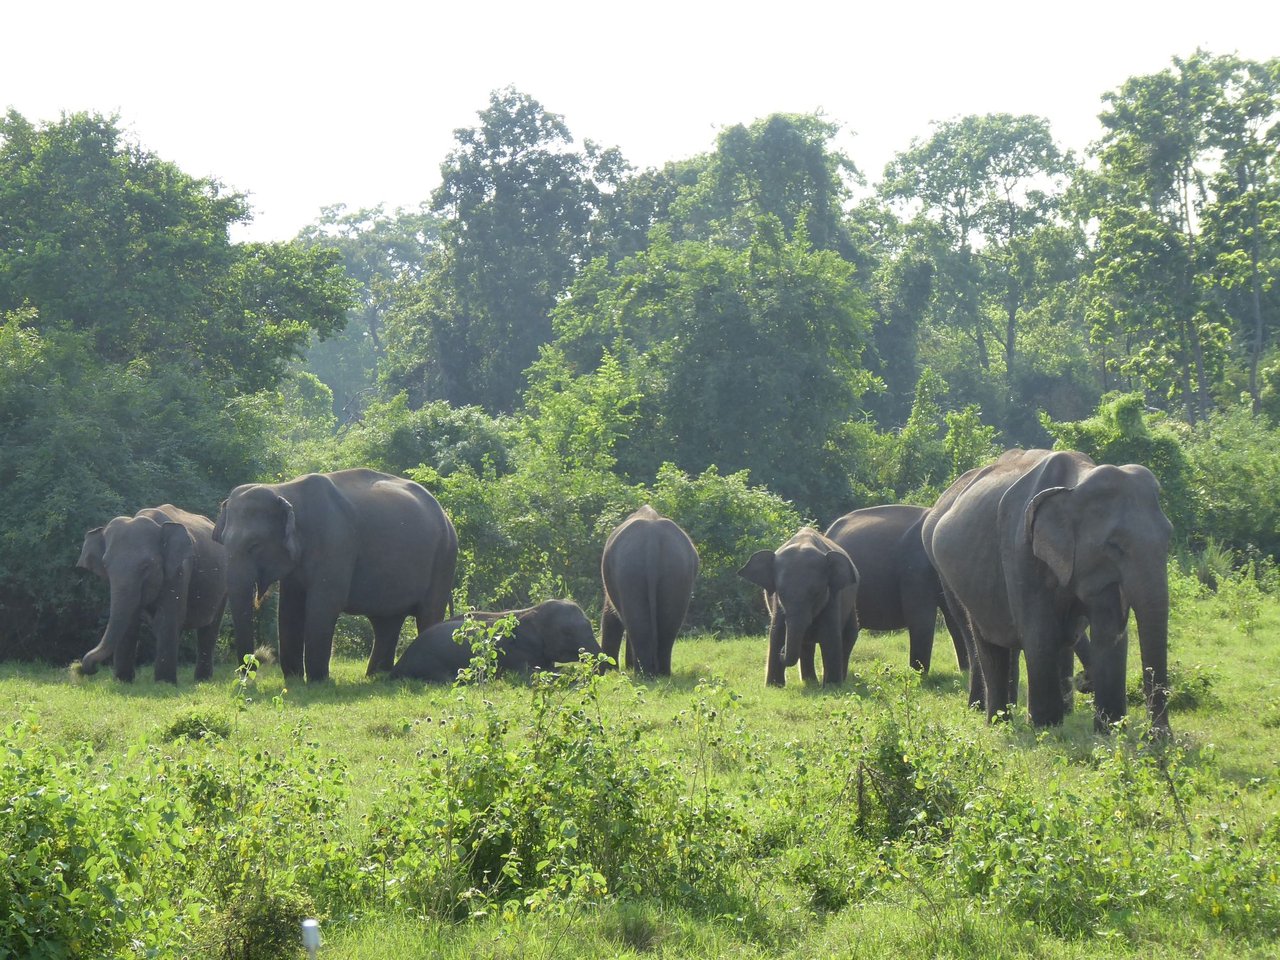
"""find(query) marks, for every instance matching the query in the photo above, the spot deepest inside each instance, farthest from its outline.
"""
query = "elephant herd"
(1024, 555)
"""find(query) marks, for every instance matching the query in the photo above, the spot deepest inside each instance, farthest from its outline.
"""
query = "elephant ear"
(1051, 532)
(760, 570)
(841, 572)
(177, 546)
(220, 528)
(291, 544)
(95, 545)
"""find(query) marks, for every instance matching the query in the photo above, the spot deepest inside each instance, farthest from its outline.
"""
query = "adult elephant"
(648, 569)
(811, 590)
(551, 632)
(353, 541)
(1041, 544)
(897, 585)
(163, 566)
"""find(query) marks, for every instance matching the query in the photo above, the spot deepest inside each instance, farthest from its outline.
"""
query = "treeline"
(554, 336)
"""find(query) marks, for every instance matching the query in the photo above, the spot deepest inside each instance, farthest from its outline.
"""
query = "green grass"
(880, 820)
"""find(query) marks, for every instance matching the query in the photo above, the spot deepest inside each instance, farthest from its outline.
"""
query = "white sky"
(307, 104)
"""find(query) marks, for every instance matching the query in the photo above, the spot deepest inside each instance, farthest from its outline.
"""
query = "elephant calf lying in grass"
(554, 631)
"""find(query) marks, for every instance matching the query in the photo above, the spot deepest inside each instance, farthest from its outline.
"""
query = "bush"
(84, 442)
(552, 822)
(1120, 433)
(1236, 463)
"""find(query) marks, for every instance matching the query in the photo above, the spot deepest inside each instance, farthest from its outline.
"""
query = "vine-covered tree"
(518, 203)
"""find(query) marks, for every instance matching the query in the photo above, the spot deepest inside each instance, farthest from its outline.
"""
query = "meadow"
(599, 816)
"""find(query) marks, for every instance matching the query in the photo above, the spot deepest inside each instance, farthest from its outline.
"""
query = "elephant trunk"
(126, 604)
(242, 592)
(797, 628)
(1152, 613)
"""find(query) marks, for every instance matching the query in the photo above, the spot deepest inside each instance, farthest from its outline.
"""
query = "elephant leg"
(775, 674)
(292, 618)
(994, 660)
(832, 661)
(165, 626)
(124, 660)
(808, 673)
(386, 634)
(611, 633)
(1066, 679)
(206, 642)
(920, 645)
(317, 635)
(956, 626)
(1044, 686)
(849, 641)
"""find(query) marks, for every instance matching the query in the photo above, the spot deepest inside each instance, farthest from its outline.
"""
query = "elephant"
(551, 632)
(164, 566)
(897, 585)
(811, 591)
(353, 541)
(1041, 544)
(648, 568)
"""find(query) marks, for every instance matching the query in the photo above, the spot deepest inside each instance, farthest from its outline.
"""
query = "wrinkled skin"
(648, 568)
(811, 590)
(554, 631)
(163, 567)
(897, 586)
(354, 541)
(1038, 546)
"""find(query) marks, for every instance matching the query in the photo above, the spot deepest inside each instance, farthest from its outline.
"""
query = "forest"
(755, 338)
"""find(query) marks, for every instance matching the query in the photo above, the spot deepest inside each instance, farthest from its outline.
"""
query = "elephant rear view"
(352, 541)
(648, 568)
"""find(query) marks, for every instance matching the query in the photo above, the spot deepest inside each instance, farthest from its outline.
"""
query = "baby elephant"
(163, 567)
(554, 631)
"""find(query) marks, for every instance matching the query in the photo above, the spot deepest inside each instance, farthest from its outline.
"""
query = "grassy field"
(693, 817)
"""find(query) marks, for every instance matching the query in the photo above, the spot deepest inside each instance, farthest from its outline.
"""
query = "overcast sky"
(305, 105)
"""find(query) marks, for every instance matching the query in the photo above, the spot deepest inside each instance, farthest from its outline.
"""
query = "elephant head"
(139, 558)
(805, 578)
(259, 529)
(555, 631)
(1106, 542)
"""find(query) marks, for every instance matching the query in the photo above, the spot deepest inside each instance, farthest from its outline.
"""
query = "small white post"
(311, 937)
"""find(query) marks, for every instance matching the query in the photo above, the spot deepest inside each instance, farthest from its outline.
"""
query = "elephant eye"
(1114, 546)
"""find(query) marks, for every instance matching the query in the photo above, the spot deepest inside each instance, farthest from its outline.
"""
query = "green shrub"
(1120, 432)
(554, 821)
(1236, 461)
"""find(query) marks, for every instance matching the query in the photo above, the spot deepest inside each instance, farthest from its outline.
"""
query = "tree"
(379, 252)
(1148, 198)
(100, 236)
(519, 204)
(1242, 223)
(781, 167)
(742, 358)
(981, 187)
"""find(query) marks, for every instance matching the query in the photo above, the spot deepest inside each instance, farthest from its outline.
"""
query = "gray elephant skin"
(353, 541)
(1040, 545)
(649, 567)
(551, 632)
(162, 566)
(897, 586)
(811, 591)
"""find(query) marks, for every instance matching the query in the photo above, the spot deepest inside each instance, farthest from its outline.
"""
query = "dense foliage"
(554, 337)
